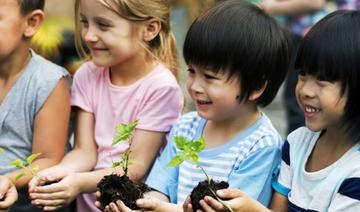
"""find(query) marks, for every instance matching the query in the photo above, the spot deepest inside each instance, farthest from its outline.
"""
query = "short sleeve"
(81, 89)
(348, 196)
(282, 180)
(255, 173)
(162, 109)
(162, 177)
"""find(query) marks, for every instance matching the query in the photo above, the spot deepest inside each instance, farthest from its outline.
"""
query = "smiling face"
(321, 101)
(111, 39)
(214, 96)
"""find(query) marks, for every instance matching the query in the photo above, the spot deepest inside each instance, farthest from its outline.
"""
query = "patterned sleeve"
(282, 180)
(255, 172)
(162, 177)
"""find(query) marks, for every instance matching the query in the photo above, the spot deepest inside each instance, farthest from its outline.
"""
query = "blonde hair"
(162, 47)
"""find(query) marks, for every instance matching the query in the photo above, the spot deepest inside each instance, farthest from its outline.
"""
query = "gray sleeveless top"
(18, 110)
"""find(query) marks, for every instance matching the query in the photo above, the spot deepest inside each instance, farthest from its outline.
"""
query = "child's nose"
(90, 36)
(306, 89)
(196, 86)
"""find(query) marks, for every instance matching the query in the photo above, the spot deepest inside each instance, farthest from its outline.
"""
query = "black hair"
(239, 39)
(27, 6)
(331, 51)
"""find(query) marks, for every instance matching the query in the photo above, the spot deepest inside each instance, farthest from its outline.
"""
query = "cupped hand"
(44, 176)
(58, 194)
(8, 193)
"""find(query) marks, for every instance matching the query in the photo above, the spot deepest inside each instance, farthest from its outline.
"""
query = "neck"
(12, 65)
(130, 71)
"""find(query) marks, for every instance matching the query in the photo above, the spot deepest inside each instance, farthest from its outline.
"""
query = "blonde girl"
(131, 75)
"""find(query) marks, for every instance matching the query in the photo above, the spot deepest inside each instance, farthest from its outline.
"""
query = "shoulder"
(161, 77)
(265, 135)
(46, 69)
(301, 138)
(187, 125)
(89, 71)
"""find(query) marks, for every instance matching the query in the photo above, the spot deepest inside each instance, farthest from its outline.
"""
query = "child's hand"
(236, 200)
(58, 194)
(187, 207)
(8, 193)
(118, 207)
(51, 174)
(154, 204)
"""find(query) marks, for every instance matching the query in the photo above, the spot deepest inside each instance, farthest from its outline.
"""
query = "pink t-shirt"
(155, 100)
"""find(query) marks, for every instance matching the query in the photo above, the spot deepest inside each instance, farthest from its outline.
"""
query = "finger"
(213, 203)
(206, 207)
(48, 196)
(49, 203)
(148, 204)
(230, 193)
(114, 207)
(121, 206)
(98, 205)
(51, 208)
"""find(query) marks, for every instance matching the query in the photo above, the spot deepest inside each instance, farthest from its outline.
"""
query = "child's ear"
(257, 93)
(33, 22)
(152, 29)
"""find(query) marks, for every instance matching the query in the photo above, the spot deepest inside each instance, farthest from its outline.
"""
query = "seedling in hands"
(27, 166)
(114, 187)
(189, 151)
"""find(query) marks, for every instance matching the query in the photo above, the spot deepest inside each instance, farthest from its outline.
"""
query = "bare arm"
(279, 203)
(291, 7)
(50, 131)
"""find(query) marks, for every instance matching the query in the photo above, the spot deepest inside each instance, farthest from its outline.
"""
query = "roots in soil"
(205, 188)
(114, 187)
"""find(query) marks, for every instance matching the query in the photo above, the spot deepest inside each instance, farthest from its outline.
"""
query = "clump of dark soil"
(114, 187)
(205, 188)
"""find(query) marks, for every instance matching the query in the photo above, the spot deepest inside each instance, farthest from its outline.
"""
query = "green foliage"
(189, 150)
(124, 133)
(2, 150)
(26, 166)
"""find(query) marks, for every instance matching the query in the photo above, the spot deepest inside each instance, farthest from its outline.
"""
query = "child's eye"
(208, 76)
(191, 71)
(302, 73)
(103, 26)
(84, 22)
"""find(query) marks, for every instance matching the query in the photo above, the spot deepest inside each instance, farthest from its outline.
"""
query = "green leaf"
(180, 142)
(194, 157)
(175, 161)
(32, 157)
(20, 175)
(18, 163)
(2, 150)
(124, 131)
(116, 164)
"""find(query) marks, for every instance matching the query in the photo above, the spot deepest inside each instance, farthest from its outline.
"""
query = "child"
(237, 57)
(132, 49)
(8, 194)
(319, 169)
(34, 97)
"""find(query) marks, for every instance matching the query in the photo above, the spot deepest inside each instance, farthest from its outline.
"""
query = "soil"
(114, 187)
(203, 189)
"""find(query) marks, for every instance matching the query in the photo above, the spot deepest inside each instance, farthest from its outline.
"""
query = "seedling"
(189, 151)
(27, 166)
(114, 187)
(124, 134)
